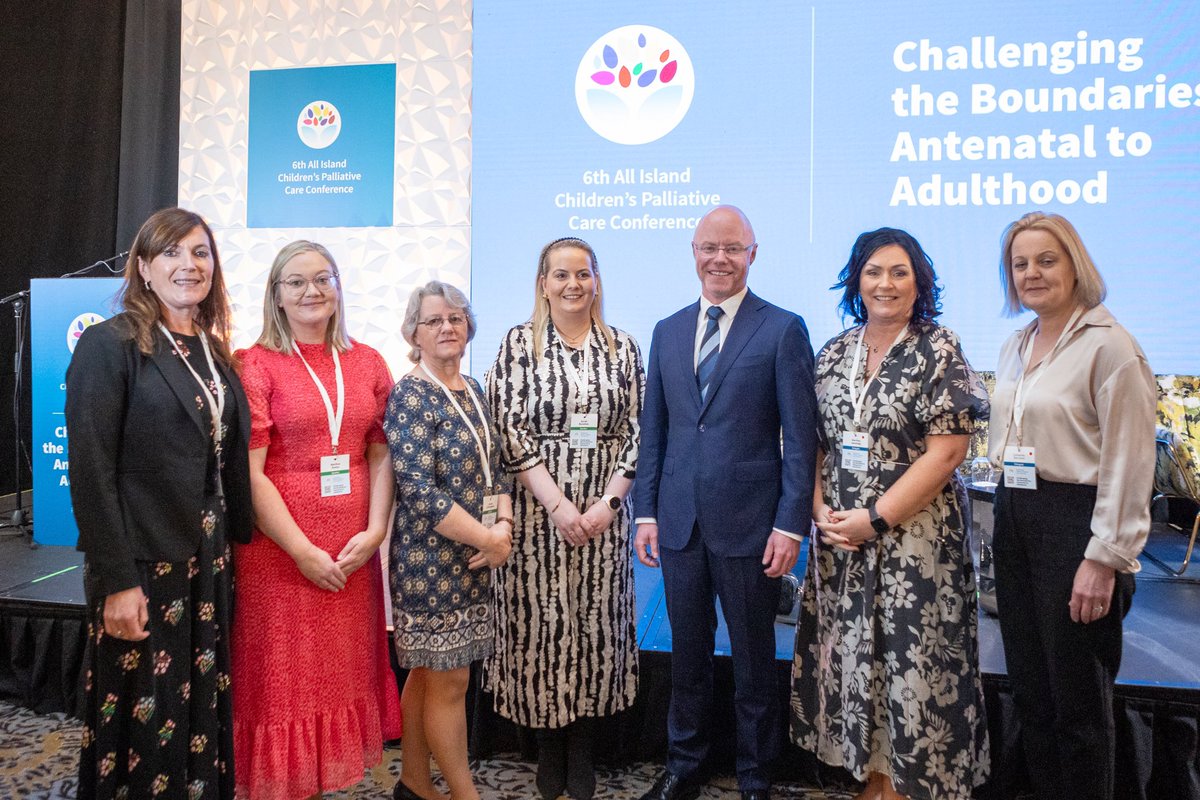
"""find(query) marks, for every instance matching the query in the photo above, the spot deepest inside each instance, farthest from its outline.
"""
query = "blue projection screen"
(623, 123)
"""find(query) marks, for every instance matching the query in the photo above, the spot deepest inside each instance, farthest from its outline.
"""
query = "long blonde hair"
(276, 332)
(163, 229)
(540, 318)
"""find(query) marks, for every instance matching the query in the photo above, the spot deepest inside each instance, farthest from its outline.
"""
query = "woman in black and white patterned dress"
(566, 390)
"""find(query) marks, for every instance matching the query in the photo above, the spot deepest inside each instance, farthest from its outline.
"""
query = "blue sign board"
(60, 310)
(322, 147)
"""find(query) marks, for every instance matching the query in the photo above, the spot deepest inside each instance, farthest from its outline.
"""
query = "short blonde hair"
(1090, 290)
(276, 332)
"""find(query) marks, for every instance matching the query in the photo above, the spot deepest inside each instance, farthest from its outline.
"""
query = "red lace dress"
(314, 697)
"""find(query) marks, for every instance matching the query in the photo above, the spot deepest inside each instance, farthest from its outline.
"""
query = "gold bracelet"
(509, 520)
(561, 495)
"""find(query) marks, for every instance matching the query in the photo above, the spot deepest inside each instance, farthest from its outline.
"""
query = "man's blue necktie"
(710, 347)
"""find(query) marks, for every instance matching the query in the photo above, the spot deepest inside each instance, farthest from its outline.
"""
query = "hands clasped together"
(576, 528)
(495, 550)
(845, 530)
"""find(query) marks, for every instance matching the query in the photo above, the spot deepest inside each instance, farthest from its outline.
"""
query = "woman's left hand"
(597, 519)
(849, 529)
(1091, 594)
(358, 551)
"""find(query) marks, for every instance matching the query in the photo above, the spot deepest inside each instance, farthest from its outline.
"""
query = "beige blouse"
(1090, 417)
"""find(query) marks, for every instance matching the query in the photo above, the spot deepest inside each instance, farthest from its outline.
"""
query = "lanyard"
(1024, 387)
(485, 450)
(579, 380)
(334, 417)
(216, 405)
(858, 400)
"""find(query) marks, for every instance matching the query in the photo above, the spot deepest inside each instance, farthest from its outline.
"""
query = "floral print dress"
(886, 670)
(158, 716)
(443, 611)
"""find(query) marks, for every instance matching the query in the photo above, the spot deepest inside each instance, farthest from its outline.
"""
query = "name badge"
(1020, 467)
(583, 429)
(855, 447)
(491, 510)
(335, 475)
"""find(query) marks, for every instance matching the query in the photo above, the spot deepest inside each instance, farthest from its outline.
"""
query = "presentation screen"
(623, 123)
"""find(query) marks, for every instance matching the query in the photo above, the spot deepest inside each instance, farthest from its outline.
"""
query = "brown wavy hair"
(142, 310)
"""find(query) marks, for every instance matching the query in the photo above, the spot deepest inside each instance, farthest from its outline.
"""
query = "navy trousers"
(693, 577)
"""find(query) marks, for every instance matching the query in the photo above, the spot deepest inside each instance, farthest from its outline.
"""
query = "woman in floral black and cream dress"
(886, 678)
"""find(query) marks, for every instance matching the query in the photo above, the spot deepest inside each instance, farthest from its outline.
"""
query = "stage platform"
(42, 632)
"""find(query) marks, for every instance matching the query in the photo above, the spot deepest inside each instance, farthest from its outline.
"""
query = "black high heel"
(402, 792)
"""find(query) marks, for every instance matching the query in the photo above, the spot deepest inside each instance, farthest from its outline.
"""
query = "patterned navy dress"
(442, 611)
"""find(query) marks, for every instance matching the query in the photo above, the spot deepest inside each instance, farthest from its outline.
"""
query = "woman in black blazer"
(158, 428)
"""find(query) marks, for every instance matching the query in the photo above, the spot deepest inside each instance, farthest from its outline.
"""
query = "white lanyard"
(580, 380)
(1024, 387)
(858, 400)
(334, 417)
(216, 405)
(485, 450)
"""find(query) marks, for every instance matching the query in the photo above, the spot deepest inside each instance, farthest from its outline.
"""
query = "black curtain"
(78, 171)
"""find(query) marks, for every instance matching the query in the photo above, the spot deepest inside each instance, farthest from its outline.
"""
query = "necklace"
(576, 340)
(876, 348)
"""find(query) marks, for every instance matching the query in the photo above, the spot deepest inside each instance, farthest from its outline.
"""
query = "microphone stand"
(18, 520)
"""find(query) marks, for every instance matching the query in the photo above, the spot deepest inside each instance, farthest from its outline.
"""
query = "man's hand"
(645, 543)
(780, 555)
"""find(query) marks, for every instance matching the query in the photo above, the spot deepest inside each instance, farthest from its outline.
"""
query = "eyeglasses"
(731, 250)
(434, 323)
(297, 286)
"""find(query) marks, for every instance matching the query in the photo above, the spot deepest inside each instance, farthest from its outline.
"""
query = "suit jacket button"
(702, 427)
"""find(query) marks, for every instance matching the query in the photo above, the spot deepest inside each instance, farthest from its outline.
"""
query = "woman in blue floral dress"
(453, 525)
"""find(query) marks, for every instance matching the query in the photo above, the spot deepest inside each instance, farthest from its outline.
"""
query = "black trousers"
(1062, 672)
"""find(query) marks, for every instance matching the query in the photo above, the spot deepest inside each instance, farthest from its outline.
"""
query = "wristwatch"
(612, 501)
(878, 523)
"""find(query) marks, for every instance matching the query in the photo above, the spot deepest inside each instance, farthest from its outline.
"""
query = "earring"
(147, 285)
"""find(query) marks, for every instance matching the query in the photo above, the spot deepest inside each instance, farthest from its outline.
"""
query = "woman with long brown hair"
(158, 425)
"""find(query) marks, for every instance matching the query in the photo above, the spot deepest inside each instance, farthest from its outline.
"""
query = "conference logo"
(634, 84)
(319, 124)
(78, 325)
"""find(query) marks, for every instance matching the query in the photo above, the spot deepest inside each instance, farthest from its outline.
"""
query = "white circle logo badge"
(319, 124)
(78, 326)
(634, 84)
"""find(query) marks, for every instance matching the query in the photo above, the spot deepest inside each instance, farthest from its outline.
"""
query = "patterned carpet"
(38, 758)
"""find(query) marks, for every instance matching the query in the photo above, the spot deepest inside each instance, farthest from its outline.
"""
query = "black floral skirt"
(158, 721)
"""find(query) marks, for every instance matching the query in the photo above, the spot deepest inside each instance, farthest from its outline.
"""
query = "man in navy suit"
(723, 495)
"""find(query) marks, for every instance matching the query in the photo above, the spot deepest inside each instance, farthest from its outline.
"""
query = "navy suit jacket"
(740, 463)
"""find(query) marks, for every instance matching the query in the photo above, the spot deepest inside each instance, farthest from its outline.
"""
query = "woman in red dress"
(314, 696)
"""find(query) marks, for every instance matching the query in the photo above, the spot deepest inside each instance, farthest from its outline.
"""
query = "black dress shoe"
(756, 794)
(670, 786)
(402, 792)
